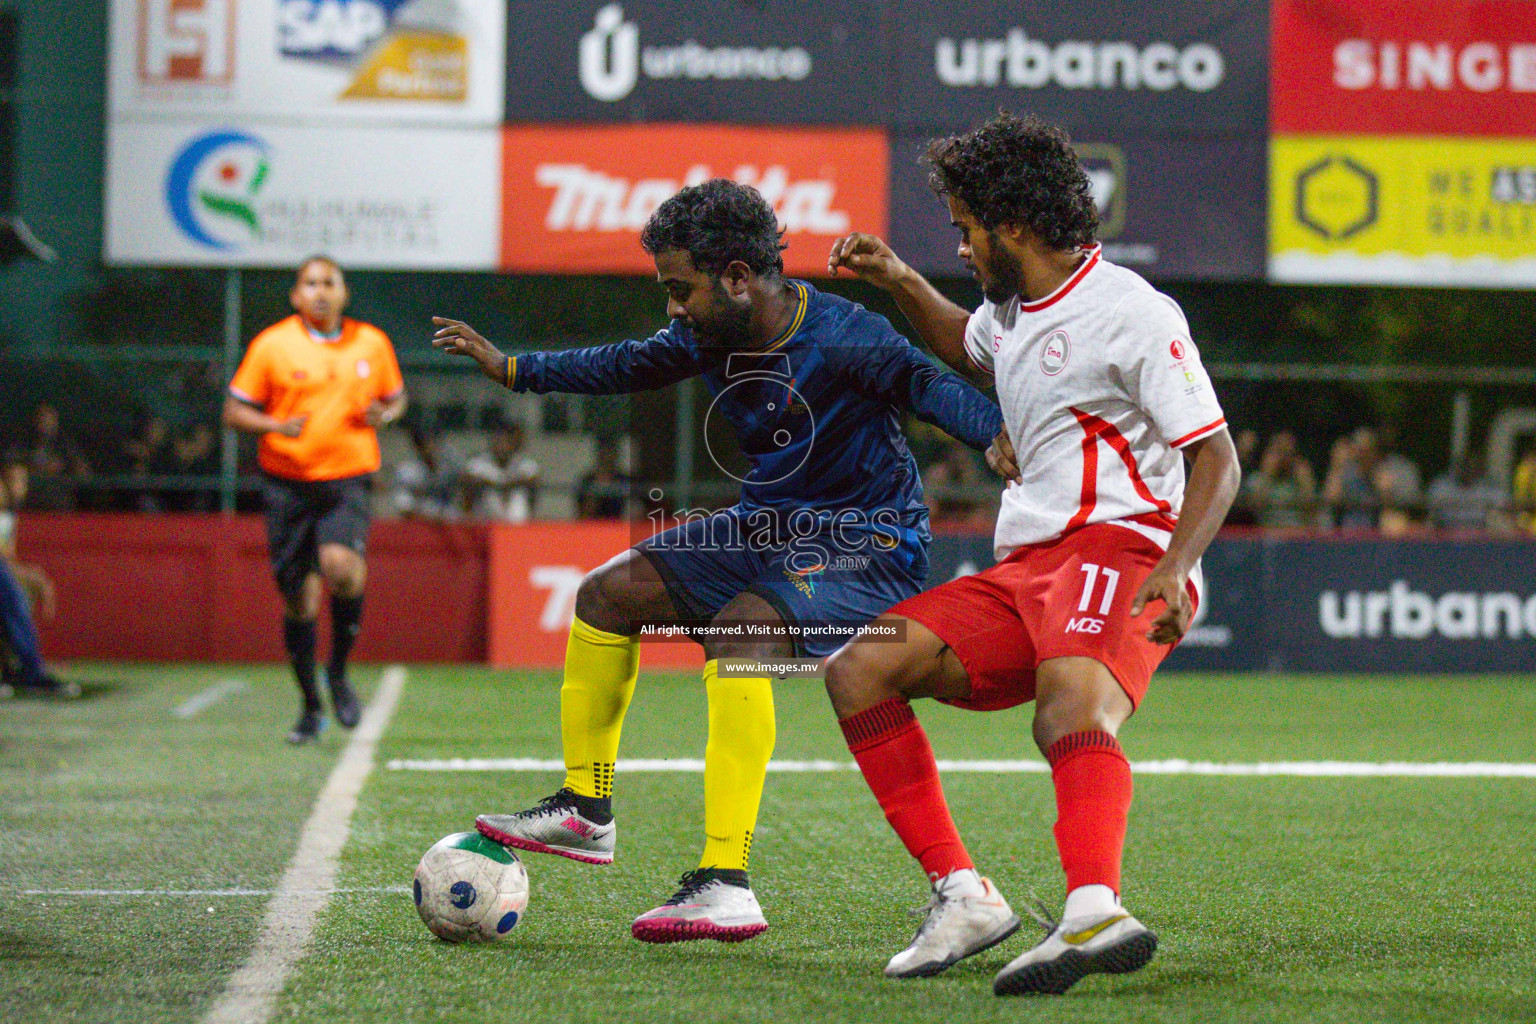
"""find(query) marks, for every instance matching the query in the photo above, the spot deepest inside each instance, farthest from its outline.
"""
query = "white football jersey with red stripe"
(1100, 386)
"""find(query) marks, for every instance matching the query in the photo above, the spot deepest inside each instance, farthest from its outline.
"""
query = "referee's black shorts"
(303, 514)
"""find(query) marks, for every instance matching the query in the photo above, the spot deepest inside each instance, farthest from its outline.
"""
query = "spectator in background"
(21, 664)
(949, 486)
(146, 453)
(502, 483)
(1466, 499)
(1282, 493)
(194, 452)
(603, 491)
(1399, 487)
(55, 463)
(1348, 489)
(426, 483)
(1524, 487)
(1247, 444)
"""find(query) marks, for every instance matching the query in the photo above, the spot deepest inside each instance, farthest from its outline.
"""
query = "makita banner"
(1093, 66)
(1151, 219)
(1300, 605)
(767, 62)
(575, 198)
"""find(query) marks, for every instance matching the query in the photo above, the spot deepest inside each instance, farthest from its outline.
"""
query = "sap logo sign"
(331, 28)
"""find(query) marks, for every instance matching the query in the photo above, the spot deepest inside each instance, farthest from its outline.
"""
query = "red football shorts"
(1070, 597)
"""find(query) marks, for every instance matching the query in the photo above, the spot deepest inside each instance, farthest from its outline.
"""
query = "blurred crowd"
(1369, 485)
(1366, 485)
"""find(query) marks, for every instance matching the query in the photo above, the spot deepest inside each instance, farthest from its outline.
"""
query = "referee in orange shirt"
(316, 387)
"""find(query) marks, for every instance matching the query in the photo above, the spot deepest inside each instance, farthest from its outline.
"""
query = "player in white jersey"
(1098, 541)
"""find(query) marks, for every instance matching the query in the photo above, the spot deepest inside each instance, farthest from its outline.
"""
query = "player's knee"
(341, 567)
(602, 599)
(1065, 713)
(857, 677)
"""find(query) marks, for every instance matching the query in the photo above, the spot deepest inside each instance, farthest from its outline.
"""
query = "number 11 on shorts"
(1111, 581)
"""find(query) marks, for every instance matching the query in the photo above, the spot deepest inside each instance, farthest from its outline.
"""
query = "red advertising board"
(575, 198)
(1382, 67)
(535, 570)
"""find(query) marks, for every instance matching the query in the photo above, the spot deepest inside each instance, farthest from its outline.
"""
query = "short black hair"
(1018, 171)
(716, 223)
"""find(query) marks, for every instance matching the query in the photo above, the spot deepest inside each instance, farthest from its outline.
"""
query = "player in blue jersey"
(830, 531)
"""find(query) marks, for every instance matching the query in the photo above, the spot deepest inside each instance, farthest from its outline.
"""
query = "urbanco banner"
(766, 62)
(575, 198)
(308, 61)
(1186, 207)
(1093, 66)
(239, 195)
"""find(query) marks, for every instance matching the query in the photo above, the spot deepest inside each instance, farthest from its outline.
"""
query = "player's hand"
(458, 338)
(1165, 584)
(376, 415)
(1001, 458)
(291, 427)
(867, 258)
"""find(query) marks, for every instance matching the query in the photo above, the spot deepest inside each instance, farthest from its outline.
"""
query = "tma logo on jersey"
(400, 50)
(212, 188)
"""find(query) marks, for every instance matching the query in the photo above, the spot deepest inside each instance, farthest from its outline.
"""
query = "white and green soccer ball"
(469, 889)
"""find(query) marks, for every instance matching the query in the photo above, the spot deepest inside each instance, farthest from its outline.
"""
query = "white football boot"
(1100, 943)
(555, 825)
(965, 916)
(710, 903)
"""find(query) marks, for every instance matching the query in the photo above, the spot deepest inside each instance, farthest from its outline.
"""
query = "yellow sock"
(600, 670)
(741, 733)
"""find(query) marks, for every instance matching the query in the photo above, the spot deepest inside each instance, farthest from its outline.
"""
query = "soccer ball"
(469, 889)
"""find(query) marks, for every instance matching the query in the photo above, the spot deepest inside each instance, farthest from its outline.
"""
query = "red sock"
(893, 752)
(1093, 798)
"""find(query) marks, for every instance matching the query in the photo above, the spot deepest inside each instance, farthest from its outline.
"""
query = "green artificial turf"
(1276, 899)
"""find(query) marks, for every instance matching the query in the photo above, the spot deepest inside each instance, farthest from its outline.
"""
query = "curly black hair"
(717, 223)
(1018, 171)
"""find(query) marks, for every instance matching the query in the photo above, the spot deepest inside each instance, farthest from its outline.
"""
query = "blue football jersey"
(817, 412)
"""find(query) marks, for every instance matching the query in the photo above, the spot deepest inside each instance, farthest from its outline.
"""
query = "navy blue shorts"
(824, 585)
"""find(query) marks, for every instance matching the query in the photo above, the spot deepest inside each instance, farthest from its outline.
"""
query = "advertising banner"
(1404, 153)
(767, 62)
(1354, 209)
(575, 198)
(1358, 67)
(397, 61)
(1093, 66)
(1401, 606)
(1171, 206)
(534, 573)
(211, 194)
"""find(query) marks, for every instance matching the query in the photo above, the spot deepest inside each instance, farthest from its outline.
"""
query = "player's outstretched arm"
(1214, 479)
(614, 369)
(940, 322)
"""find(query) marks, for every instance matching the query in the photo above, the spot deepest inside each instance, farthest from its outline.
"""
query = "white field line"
(200, 702)
(1305, 769)
(251, 993)
(369, 889)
